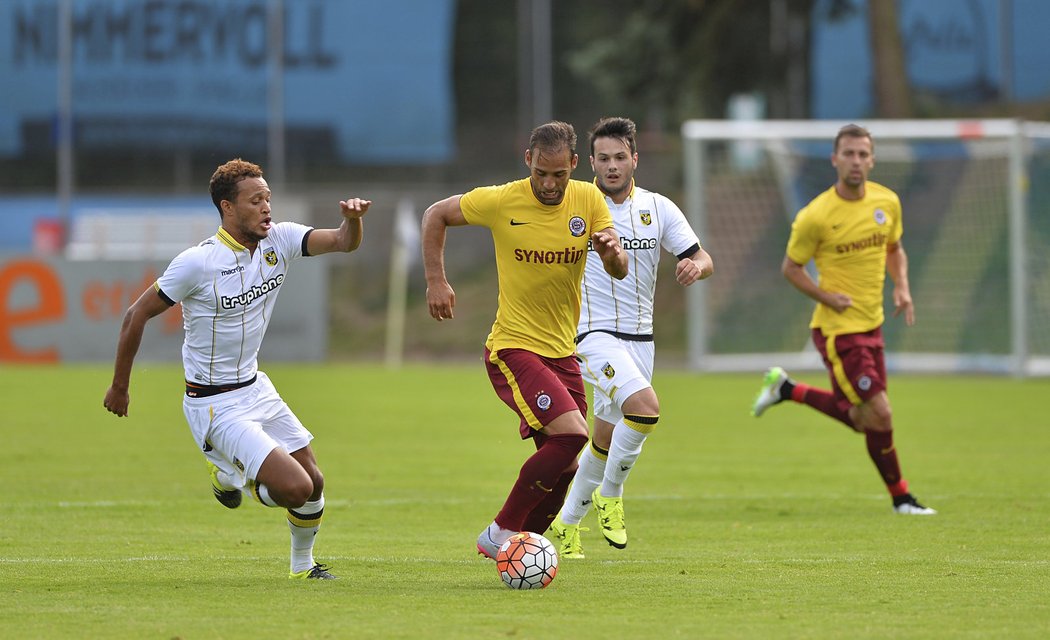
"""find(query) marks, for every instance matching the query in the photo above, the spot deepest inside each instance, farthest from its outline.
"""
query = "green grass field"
(740, 528)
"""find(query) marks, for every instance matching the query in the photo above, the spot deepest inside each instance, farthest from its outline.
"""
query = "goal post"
(976, 201)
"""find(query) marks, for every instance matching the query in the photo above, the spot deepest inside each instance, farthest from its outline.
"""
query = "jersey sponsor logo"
(270, 257)
(638, 244)
(251, 295)
(632, 244)
(516, 223)
(608, 370)
(230, 272)
(568, 255)
(880, 216)
(577, 226)
(647, 219)
(874, 240)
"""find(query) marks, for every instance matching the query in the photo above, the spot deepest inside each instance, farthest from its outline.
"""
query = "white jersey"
(646, 221)
(227, 295)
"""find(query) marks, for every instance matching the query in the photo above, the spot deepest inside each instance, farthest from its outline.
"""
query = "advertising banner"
(368, 81)
(55, 310)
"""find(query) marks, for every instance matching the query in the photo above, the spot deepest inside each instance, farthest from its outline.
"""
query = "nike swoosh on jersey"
(515, 223)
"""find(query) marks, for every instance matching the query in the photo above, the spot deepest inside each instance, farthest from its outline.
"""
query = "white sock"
(498, 534)
(623, 452)
(304, 523)
(588, 476)
(259, 493)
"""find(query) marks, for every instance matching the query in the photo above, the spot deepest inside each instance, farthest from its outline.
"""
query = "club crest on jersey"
(543, 401)
(880, 216)
(577, 226)
(647, 219)
(270, 257)
(864, 383)
(608, 370)
(240, 465)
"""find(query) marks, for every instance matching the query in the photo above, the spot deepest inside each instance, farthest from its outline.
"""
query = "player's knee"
(298, 493)
(882, 419)
(318, 483)
(644, 402)
(880, 405)
(295, 490)
(877, 417)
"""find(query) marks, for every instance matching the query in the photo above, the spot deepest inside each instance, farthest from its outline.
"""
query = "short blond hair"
(853, 131)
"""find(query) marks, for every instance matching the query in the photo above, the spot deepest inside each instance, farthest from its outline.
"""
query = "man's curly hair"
(223, 185)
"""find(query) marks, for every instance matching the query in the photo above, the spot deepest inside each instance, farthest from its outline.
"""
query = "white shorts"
(617, 369)
(236, 430)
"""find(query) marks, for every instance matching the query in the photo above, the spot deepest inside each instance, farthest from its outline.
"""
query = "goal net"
(976, 202)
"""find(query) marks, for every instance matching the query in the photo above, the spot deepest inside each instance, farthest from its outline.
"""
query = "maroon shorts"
(856, 365)
(538, 389)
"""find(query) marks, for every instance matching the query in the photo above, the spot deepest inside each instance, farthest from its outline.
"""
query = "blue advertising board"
(373, 79)
(961, 53)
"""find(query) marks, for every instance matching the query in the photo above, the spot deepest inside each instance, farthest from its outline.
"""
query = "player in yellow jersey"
(853, 233)
(541, 228)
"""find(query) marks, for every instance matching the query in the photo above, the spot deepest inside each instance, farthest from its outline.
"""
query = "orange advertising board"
(55, 310)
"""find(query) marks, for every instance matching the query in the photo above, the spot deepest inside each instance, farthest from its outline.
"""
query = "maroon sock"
(884, 455)
(539, 478)
(541, 517)
(821, 400)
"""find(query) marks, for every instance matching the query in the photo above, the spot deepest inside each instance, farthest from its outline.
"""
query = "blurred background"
(114, 114)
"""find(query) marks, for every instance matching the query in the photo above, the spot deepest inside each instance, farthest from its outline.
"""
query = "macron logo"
(230, 272)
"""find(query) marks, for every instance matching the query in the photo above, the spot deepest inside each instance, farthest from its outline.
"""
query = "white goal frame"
(1016, 134)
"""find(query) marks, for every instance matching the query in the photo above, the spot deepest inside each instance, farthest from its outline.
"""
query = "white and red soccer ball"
(527, 561)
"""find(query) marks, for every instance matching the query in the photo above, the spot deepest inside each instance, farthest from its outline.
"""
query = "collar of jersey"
(630, 195)
(227, 239)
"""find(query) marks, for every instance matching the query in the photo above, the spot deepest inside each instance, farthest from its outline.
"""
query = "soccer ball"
(527, 561)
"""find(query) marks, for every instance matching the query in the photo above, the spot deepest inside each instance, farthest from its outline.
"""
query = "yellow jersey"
(847, 239)
(541, 251)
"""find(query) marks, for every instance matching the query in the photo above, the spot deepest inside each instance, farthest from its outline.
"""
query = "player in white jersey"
(228, 285)
(615, 334)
